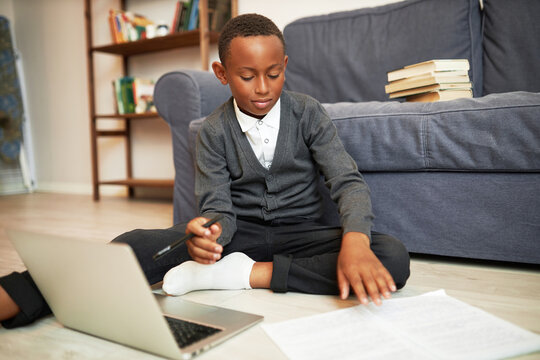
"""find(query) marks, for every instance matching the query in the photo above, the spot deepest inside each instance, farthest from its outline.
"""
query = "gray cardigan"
(230, 179)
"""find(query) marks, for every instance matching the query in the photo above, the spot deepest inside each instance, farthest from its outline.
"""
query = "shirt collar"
(247, 122)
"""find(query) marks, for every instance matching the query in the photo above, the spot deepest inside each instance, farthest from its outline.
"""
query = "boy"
(270, 200)
(258, 162)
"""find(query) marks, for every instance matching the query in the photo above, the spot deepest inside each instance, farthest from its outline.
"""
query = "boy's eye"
(273, 76)
(246, 78)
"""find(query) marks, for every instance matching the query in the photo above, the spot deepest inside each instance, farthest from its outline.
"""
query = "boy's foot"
(8, 307)
(230, 273)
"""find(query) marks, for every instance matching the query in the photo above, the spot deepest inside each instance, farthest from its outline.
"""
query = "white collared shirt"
(262, 134)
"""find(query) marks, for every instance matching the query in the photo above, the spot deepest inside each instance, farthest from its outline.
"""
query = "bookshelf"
(201, 37)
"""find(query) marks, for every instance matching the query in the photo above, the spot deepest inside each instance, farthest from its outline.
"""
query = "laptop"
(100, 289)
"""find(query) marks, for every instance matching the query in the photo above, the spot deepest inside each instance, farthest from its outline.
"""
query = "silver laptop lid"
(96, 288)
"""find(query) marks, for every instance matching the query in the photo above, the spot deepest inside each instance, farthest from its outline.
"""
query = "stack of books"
(127, 26)
(133, 95)
(434, 80)
(186, 16)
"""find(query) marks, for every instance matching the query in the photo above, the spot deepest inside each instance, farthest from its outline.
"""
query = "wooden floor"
(511, 292)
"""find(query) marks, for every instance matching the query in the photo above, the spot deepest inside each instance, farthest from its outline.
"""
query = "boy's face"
(255, 72)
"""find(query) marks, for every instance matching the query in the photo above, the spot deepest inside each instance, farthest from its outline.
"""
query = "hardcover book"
(428, 66)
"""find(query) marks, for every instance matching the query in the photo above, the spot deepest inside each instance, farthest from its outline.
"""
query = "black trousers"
(304, 257)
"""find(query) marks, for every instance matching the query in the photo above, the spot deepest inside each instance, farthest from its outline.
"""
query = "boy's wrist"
(355, 238)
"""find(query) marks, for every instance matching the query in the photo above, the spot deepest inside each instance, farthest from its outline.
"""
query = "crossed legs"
(300, 257)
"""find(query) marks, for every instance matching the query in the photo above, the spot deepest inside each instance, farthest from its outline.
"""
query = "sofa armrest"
(180, 97)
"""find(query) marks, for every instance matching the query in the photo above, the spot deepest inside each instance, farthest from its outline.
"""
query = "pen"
(188, 236)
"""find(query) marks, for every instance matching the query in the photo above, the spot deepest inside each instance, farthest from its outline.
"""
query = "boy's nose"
(261, 86)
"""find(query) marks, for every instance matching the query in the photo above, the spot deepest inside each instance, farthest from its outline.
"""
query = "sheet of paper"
(343, 334)
(429, 326)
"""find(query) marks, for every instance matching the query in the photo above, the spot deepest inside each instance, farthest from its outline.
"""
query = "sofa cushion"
(511, 46)
(345, 56)
(498, 132)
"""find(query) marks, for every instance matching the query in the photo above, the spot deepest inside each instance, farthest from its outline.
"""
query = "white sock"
(230, 273)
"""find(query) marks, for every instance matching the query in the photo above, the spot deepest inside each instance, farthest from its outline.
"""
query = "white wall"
(6, 8)
(50, 36)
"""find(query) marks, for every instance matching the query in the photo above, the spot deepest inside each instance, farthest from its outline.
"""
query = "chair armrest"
(180, 97)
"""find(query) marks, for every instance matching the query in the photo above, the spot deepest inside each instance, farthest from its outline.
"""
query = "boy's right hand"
(203, 247)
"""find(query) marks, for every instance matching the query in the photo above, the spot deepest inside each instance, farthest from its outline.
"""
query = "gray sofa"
(458, 178)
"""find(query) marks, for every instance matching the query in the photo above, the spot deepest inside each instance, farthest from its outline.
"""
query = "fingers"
(196, 227)
(373, 283)
(360, 269)
(203, 247)
(389, 282)
(357, 284)
(375, 287)
(343, 285)
(203, 250)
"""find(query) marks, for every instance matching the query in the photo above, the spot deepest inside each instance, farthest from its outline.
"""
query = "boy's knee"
(146, 242)
(130, 237)
(394, 257)
(402, 264)
(135, 239)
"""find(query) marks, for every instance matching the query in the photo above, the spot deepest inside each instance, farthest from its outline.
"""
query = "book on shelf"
(219, 12)
(117, 95)
(186, 16)
(179, 17)
(127, 26)
(143, 95)
(441, 95)
(193, 16)
(133, 95)
(126, 94)
(123, 92)
(115, 33)
(428, 66)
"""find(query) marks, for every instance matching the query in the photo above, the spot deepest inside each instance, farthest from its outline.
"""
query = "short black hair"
(243, 26)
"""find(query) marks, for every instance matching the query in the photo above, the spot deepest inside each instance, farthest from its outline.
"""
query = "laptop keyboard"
(187, 333)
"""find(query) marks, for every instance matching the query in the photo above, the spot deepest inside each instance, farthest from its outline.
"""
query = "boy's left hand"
(359, 268)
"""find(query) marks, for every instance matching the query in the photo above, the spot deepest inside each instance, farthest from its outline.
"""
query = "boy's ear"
(219, 71)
